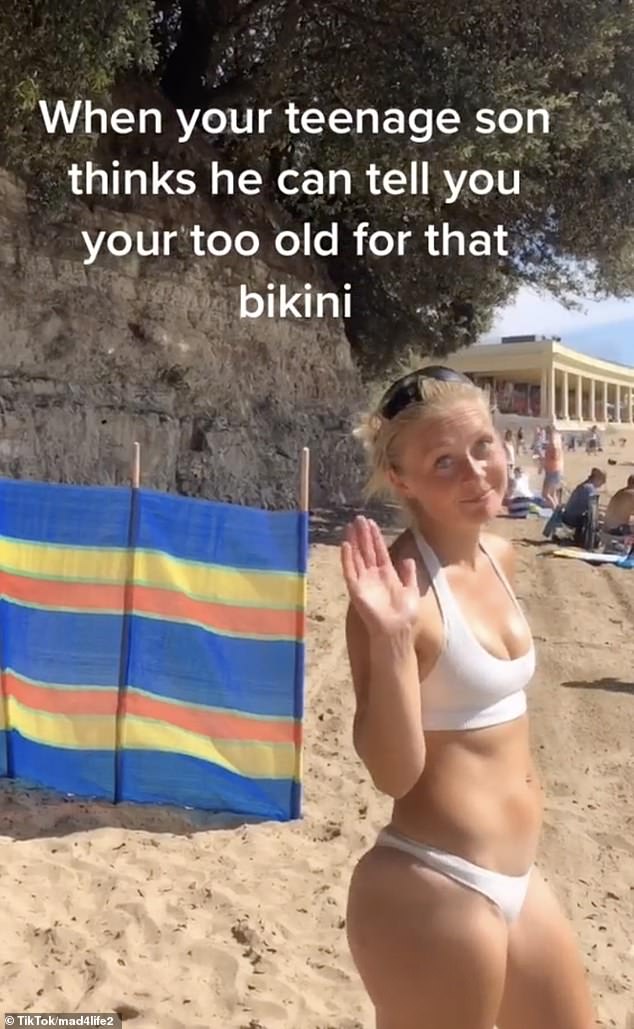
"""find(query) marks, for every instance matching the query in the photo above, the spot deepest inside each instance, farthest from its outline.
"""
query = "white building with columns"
(541, 378)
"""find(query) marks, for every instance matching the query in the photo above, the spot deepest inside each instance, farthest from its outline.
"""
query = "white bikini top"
(468, 687)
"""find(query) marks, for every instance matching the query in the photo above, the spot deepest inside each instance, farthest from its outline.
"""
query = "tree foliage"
(53, 49)
(571, 229)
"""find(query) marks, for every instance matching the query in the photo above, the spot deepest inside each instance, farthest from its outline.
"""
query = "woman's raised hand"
(387, 602)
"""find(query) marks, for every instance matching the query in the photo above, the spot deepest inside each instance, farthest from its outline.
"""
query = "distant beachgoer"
(520, 441)
(593, 441)
(519, 495)
(449, 922)
(538, 449)
(553, 466)
(519, 485)
(620, 511)
(576, 512)
(509, 450)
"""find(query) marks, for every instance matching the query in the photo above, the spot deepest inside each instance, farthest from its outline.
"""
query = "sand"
(204, 923)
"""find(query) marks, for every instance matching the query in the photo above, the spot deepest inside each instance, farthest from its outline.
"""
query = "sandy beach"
(199, 922)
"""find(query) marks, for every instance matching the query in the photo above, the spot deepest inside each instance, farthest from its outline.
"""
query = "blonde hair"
(380, 436)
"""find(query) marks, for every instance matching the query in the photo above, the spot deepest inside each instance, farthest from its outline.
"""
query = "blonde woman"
(449, 923)
(553, 467)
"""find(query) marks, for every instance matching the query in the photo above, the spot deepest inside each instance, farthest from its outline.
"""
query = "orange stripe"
(62, 701)
(213, 724)
(60, 594)
(217, 725)
(247, 621)
(168, 604)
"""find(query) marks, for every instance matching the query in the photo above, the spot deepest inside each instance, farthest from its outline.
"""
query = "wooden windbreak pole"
(136, 465)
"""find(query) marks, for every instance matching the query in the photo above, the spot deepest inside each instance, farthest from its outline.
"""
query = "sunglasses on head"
(408, 390)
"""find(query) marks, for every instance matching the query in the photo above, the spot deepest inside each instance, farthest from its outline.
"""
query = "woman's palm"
(384, 600)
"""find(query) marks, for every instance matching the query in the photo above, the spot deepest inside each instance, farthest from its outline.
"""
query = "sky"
(602, 328)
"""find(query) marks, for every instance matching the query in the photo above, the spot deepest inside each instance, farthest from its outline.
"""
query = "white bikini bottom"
(507, 891)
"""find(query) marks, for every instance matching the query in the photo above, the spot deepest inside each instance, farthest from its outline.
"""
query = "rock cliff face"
(153, 349)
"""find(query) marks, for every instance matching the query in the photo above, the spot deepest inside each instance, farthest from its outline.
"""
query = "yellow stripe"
(56, 561)
(81, 732)
(213, 583)
(256, 760)
(216, 583)
(97, 732)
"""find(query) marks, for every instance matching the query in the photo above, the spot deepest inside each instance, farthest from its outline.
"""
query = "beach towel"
(595, 557)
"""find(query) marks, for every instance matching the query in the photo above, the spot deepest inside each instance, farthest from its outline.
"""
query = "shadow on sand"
(543, 541)
(327, 525)
(611, 685)
(31, 813)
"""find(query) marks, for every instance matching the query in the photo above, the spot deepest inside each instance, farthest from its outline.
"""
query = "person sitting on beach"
(519, 485)
(519, 495)
(575, 513)
(620, 511)
(553, 464)
(449, 922)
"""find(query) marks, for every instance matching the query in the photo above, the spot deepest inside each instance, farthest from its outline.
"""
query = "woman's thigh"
(431, 953)
(546, 983)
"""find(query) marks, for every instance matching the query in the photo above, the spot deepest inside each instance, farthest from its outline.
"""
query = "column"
(630, 406)
(543, 395)
(593, 401)
(617, 403)
(565, 387)
(604, 405)
(552, 395)
(579, 392)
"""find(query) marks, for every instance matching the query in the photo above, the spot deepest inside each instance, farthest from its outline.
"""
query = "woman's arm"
(388, 732)
(380, 634)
